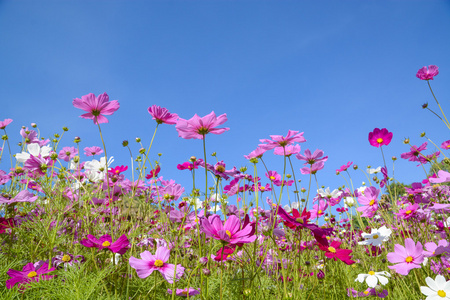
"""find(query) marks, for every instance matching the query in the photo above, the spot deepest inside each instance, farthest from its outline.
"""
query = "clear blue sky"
(334, 70)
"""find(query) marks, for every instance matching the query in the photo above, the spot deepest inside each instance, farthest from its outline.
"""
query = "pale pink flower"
(5, 123)
(281, 141)
(91, 151)
(197, 128)
(96, 107)
(406, 258)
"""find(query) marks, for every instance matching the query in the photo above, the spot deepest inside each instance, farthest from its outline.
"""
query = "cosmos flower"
(96, 107)
(91, 151)
(406, 257)
(281, 141)
(438, 289)
(312, 158)
(333, 251)
(414, 152)
(67, 153)
(446, 145)
(369, 202)
(287, 150)
(376, 237)
(197, 128)
(22, 196)
(373, 277)
(66, 260)
(344, 167)
(158, 262)
(230, 232)
(33, 149)
(105, 242)
(30, 272)
(5, 123)
(425, 73)
(443, 176)
(380, 137)
(257, 153)
(162, 115)
(185, 292)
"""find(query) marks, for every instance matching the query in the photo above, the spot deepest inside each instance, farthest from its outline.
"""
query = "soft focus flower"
(406, 258)
(443, 176)
(257, 153)
(162, 115)
(105, 242)
(313, 169)
(67, 153)
(33, 149)
(185, 292)
(312, 158)
(446, 145)
(158, 262)
(281, 141)
(197, 128)
(376, 236)
(30, 272)
(380, 137)
(22, 196)
(96, 107)
(369, 202)
(425, 73)
(373, 171)
(287, 150)
(344, 167)
(373, 277)
(438, 289)
(91, 151)
(5, 123)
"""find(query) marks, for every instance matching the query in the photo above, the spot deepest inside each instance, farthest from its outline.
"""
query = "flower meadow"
(79, 229)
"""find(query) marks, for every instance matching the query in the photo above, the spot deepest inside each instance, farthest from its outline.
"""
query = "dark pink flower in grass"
(185, 292)
(5, 123)
(313, 169)
(369, 202)
(333, 251)
(408, 212)
(190, 166)
(162, 115)
(105, 242)
(414, 152)
(344, 167)
(22, 196)
(91, 151)
(380, 137)
(425, 73)
(117, 170)
(281, 141)
(67, 153)
(230, 232)
(446, 145)
(406, 258)
(197, 128)
(30, 272)
(148, 263)
(96, 107)
(287, 150)
(154, 173)
(312, 158)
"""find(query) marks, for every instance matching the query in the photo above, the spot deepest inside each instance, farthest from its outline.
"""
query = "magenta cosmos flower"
(230, 232)
(96, 107)
(344, 167)
(197, 128)
(413, 154)
(333, 251)
(312, 158)
(5, 123)
(30, 272)
(186, 292)
(380, 137)
(406, 258)
(369, 202)
(281, 141)
(425, 73)
(105, 242)
(149, 263)
(162, 115)
(67, 153)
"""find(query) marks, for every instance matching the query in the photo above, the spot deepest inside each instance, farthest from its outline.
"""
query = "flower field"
(78, 228)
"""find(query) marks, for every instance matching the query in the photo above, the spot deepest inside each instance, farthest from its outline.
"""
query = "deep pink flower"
(185, 292)
(281, 141)
(149, 263)
(427, 73)
(105, 242)
(230, 232)
(312, 158)
(414, 153)
(446, 145)
(408, 211)
(190, 166)
(117, 170)
(96, 107)
(333, 251)
(197, 128)
(219, 169)
(67, 153)
(91, 151)
(154, 173)
(5, 123)
(38, 165)
(319, 209)
(380, 137)
(30, 272)
(162, 115)
(406, 258)
(344, 167)
(273, 176)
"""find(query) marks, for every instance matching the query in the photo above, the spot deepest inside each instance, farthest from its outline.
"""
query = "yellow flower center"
(375, 236)
(272, 178)
(159, 263)
(409, 259)
(448, 146)
(229, 233)
(441, 293)
(196, 220)
(332, 249)
(185, 293)
(220, 169)
(408, 212)
(66, 258)
(299, 220)
(32, 274)
(379, 140)
(106, 244)
(372, 273)
(262, 188)
(319, 212)
(371, 202)
(366, 292)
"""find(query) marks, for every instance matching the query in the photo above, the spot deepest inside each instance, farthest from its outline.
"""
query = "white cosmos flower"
(373, 277)
(327, 194)
(288, 208)
(373, 171)
(376, 237)
(35, 150)
(438, 289)
(96, 170)
(349, 202)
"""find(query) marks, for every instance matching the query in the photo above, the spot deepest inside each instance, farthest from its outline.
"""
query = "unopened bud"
(355, 167)
(406, 141)
(142, 151)
(124, 143)
(243, 169)
(54, 156)
(193, 158)
(394, 158)
(138, 140)
(422, 134)
(206, 271)
(77, 139)
(33, 125)
(65, 128)
(425, 105)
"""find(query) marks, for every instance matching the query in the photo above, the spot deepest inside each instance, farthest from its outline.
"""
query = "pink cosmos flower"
(446, 145)
(281, 141)
(29, 136)
(154, 173)
(408, 211)
(425, 73)
(313, 169)
(406, 258)
(257, 153)
(369, 201)
(190, 166)
(319, 209)
(22, 196)
(96, 107)
(91, 151)
(443, 176)
(117, 170)
(432, 249)
(219, 169)
(67, 153)
(379, 137)
(5, 123)
(287, 150)
(149, 263)
(312, 158)
(344, 167)
(197, 128)
(30, 272)
(162, 115)
(38, 165)
(333, 251)
(230, 232)
(273, 176)
(185, 292)
(105, 242)
(414, 153)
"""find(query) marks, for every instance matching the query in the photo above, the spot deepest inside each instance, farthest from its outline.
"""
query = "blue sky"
(334, 70)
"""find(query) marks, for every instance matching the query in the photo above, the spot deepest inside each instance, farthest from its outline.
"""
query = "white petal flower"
(376, 237)
(438, 289)
(373, 277)
(373, 171)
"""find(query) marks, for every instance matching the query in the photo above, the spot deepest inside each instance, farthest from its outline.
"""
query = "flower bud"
(54, 156)
(303, 190)
(33, 125)
(138, 140)
(247, 292)
(425, 105)
(65, 128)
(422, 134)
(243, 169)
(213, 154)
(394, 158)
(142, 151)
(288, 176)
(406, 141)
(206, 271)
(56, 135)
(203, 260)
(124, 143)
(355, 167)
(193, 159)
(77, 139)
(4, 137)
(321, 274)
